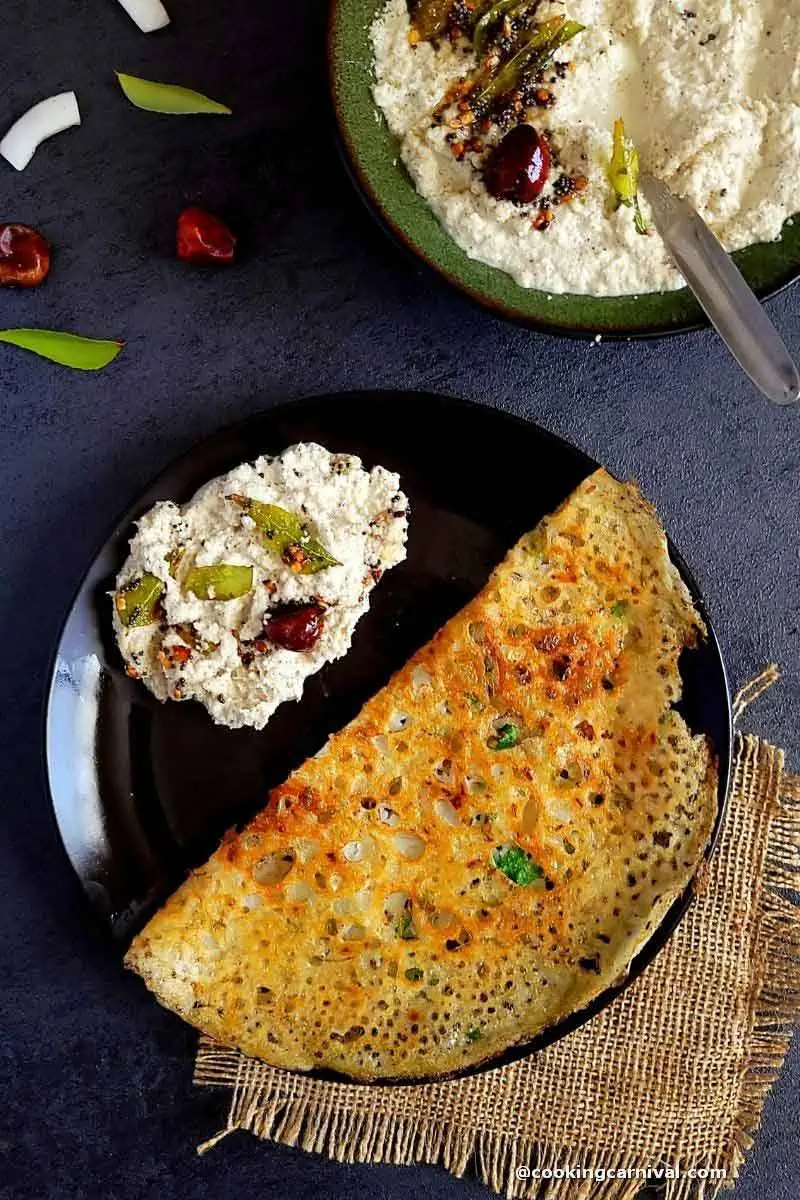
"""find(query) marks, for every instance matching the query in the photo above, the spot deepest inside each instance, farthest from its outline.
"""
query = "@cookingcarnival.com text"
(600, 1174)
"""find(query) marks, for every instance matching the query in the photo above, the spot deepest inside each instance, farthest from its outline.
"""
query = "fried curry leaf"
(517, 865)
(136, 602)
(414, 974)
(620, 608)
(287, 535)
(539, 46)
(66, 349)
(623, 174)
(474, 1035)
(490, 18)
(222, 581)
(168, 98)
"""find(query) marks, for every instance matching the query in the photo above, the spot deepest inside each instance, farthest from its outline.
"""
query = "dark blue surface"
(97, 1099)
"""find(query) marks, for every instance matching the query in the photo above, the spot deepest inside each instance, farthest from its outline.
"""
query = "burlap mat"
(672, 1075)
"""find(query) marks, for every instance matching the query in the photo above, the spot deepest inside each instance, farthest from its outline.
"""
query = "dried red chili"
(24, 256)
(295, 627)
(518, 166)
(203, 238)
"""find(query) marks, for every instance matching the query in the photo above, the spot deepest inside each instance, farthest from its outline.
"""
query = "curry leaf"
(539, 46)
(67, 349)
(167, 97)
(287, 535)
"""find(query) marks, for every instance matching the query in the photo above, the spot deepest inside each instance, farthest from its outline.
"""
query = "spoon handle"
(731, 306)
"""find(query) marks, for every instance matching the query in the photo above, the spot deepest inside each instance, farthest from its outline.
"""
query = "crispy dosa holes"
(410, 845)
(273, 868)
(306, 849)
(299, 892)
(444, 771)
(396, 904)
(560, 809)
(477, 631)
(420, 678)
(445, 812)
(443, 918)
(358, 851)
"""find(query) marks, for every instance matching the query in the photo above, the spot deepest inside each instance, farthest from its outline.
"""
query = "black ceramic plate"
(142, 791)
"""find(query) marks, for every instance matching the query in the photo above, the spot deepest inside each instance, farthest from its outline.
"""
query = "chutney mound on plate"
(235, 598)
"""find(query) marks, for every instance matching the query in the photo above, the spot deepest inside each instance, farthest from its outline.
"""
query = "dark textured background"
(97, 1099)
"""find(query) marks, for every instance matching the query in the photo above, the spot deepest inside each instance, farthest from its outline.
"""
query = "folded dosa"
(486, 846)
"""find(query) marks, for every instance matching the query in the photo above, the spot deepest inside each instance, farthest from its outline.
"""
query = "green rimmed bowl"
(371, 153)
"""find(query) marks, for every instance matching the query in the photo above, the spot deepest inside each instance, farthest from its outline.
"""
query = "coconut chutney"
(235, 598)
(709, 93)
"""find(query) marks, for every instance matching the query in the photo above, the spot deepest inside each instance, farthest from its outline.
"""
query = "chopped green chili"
(136, 602)
(66, 349)
(405, 928)
(623, 174)
(222, 581)
(168, 98)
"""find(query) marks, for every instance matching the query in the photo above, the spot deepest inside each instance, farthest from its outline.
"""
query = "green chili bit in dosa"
(517, 865)
(507, 736)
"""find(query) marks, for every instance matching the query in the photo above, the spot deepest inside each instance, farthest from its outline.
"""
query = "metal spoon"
(730, 305)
